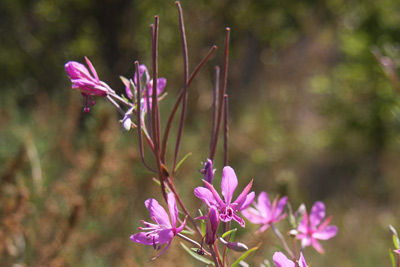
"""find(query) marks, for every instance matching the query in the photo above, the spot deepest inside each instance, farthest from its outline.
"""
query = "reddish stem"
(222, 93)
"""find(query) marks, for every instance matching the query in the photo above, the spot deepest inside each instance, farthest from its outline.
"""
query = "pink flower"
(281, 260)
(164, 229)
(227, 210)
(148, 88)
(264, 213)
(310, 227)
(89, 85)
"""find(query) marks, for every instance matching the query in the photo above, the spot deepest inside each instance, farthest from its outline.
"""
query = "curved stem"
(179, 99)
(193, 243)
(285, 245)
(221, 94)
(185, 84)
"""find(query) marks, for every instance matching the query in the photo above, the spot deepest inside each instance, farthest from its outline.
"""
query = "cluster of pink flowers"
(262, 212)
(142, 99)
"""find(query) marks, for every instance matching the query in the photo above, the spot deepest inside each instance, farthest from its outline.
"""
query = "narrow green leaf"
(395, 241)
(197, 256)
(182, 160)
(244, 256)
(156, 181)
(392, 258)
(186, 232)
(228, 232)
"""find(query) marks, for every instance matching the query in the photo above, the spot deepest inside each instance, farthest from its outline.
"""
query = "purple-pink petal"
(144, 238)
(239, 220)
(317, 213)
(161, 83)
(215, 194)
(253, 216)
(228, 184)
(205, 195)
(302, 261)
(77, 70)
(165, 236)
(317, 246)
(157, 213)
(246, 202)
(173, 210)
(263, 203)
(242, 198)
(281, 260)
(142, 70)
(303, 225)
(281, 205)
(92, 69)
(326, 233)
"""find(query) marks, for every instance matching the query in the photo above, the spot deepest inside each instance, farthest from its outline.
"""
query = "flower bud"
(236, 246)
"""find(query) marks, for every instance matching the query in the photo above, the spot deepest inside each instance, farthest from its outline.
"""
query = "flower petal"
(303, 225)
(228, 184)
(302, 261)
(253, 216)
(317, 214)
(317, 246)
(326, 233)
(161, 83)
(142, 70)
(92, 69)
(173, 210)
(165, 236)
(239, 220)
(157, 213)
(144, 238)
(242, 198)
(215, 194)
(246, 202)
(279, 208)
(77, 70)
(205, 195)
(263, 204)
(281, 260)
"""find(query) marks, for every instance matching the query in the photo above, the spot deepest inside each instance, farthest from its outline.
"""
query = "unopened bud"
(236, 246)
(126, 123)
(293, 232)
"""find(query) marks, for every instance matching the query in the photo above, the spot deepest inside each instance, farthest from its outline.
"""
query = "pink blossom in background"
(88, 84)
(264, 213)
(281, 260)
(164, 229)
(311, 228)
(227, 210)
(148, 89)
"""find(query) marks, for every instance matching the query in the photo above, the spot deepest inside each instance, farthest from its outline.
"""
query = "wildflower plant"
(210, 231)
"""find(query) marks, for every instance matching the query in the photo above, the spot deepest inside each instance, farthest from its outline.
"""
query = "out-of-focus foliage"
(314, 115)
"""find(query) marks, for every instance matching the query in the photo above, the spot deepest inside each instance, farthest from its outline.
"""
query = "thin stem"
(227, 227)
(214, 105)
(115, 104)
(121, 100)
(179, 99)
(226, 129)
(285, 245)
(154, 109)
(139, 119)
(191, 241)
(222, 93)
(185, 83)
(217, 254)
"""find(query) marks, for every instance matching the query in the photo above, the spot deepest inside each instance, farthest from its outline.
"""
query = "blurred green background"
(314, 114)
